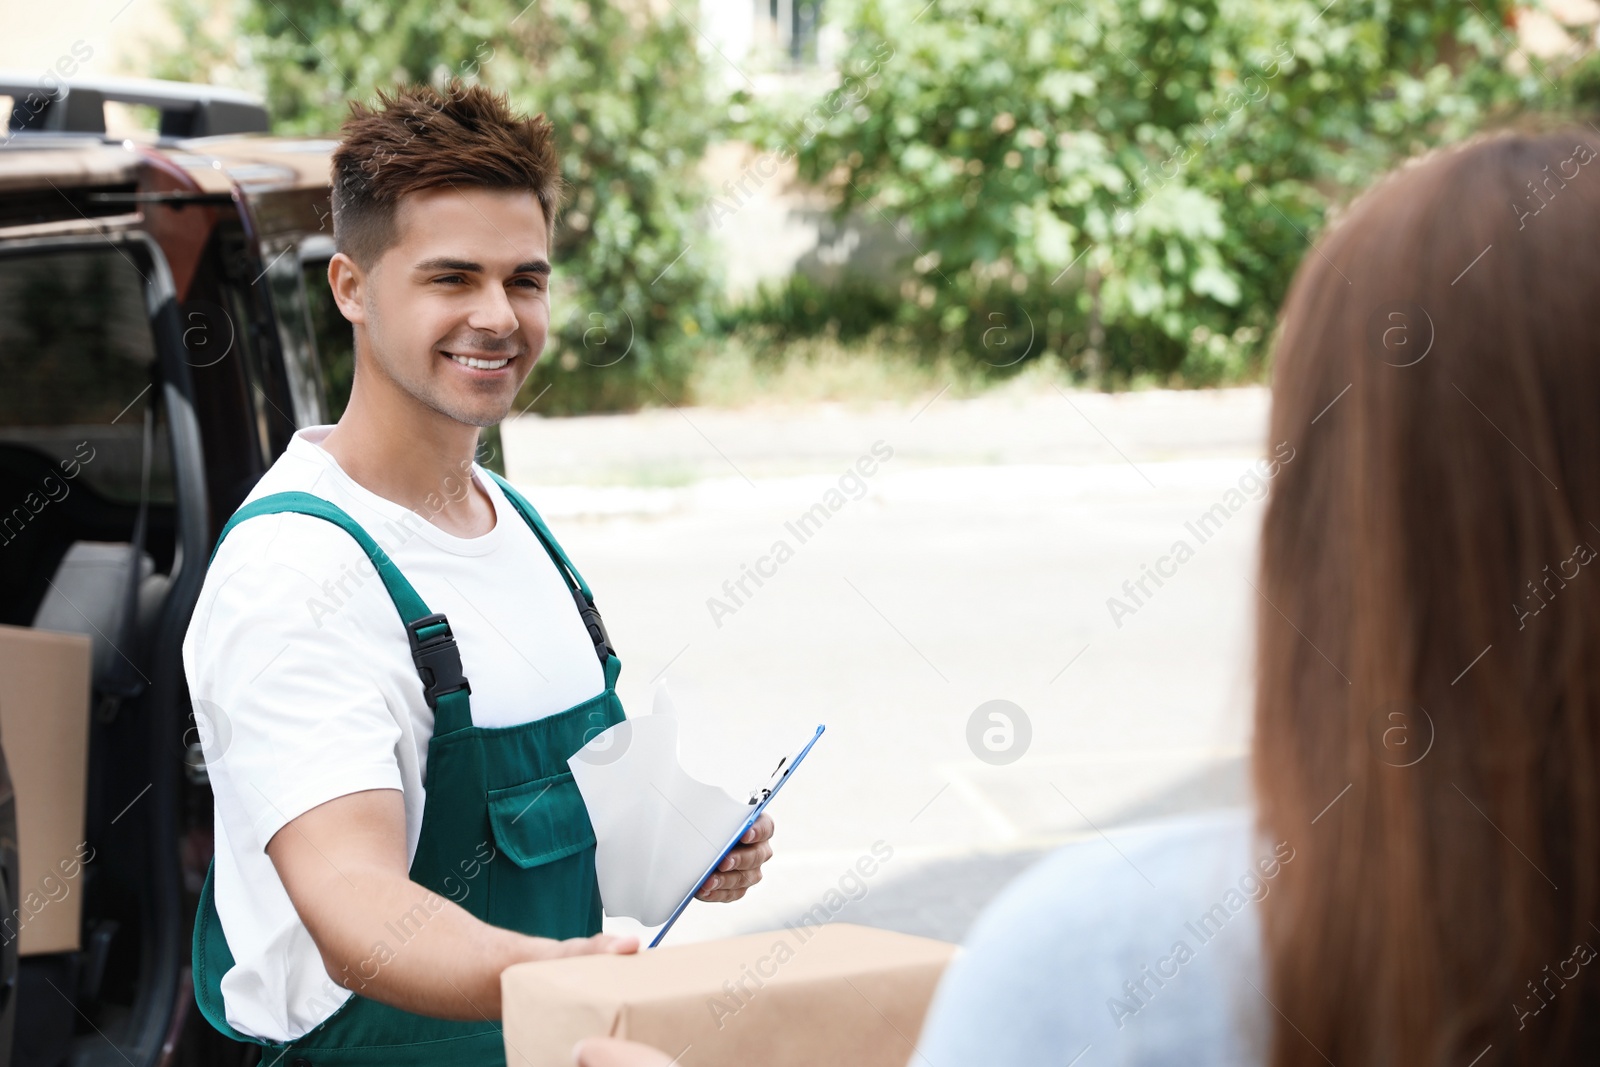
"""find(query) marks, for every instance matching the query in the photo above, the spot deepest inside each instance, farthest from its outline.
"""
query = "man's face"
(456, 311)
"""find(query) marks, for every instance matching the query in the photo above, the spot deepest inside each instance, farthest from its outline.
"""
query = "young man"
(395, 820)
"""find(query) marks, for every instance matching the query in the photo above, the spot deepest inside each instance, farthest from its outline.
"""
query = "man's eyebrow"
(467, 266)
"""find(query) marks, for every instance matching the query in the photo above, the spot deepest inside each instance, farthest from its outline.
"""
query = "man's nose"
(492, 313)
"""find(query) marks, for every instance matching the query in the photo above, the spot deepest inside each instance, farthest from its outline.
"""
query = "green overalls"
(502, 790)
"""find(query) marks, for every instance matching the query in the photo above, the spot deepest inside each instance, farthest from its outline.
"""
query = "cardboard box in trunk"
(807, 996)
(44, 728)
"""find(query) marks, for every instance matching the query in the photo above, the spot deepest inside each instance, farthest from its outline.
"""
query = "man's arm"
(344, 866)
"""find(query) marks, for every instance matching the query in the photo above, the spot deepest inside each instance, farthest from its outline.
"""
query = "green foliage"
(627, 93)
(1123, 186)
(992, 333)
(1140, 177)
(800, 306)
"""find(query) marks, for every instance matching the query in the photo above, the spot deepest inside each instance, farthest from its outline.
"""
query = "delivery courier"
(392, 657)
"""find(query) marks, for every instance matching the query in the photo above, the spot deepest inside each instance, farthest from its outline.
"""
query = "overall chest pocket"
(542, 883)
(540, 821)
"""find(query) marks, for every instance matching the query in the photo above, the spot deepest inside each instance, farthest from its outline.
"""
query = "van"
(165, 327)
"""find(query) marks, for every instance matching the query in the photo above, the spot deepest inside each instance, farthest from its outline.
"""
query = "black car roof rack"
(187, 110)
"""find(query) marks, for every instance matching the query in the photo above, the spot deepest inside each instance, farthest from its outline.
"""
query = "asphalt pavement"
(1024, 619)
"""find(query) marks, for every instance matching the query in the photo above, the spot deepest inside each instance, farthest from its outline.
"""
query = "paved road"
(973, 562)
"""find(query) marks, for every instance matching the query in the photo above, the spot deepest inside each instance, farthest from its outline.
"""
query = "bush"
(1140, 179)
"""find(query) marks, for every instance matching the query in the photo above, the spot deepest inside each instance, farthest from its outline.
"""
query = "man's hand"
(742, 868)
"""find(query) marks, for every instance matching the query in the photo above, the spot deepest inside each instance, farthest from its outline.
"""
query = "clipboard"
(759, 799)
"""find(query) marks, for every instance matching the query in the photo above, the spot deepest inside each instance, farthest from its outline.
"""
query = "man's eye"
(528, 283)
(450, 279)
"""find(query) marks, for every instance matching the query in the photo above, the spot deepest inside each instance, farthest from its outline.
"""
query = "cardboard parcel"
(806, 996)
(44, 726)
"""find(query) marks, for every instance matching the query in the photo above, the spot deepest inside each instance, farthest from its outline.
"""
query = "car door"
(99, 447)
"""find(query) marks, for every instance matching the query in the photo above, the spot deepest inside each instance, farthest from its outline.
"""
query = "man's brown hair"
(420, 138)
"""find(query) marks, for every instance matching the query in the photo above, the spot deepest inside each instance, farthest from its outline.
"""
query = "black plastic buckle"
(437, 658)
(594, 624)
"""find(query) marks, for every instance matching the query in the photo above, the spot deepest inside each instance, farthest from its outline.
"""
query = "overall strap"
(433, 646)
(580, 589)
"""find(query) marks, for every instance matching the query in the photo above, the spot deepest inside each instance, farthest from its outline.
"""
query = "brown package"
(806, 996)
(44, 727)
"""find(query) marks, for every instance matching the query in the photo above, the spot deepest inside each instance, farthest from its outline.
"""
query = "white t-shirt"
(304, 690)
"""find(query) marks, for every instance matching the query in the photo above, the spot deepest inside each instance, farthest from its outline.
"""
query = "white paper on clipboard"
(759, 799)
(657, 830)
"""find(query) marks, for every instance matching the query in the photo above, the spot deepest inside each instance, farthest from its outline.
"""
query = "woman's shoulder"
(1172, 858)
(1145, 937)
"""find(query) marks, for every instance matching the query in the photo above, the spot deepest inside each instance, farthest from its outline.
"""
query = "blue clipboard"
(759, 798)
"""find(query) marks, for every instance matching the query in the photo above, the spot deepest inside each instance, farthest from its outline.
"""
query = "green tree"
(1143, 175)
(628, 95)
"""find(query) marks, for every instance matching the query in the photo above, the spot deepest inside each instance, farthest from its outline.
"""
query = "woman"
(1427, 710)
(1419, 882)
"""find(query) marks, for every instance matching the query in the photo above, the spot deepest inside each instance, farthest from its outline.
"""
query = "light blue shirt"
(1139, 948)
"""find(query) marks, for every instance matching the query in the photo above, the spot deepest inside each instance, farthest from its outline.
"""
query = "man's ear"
(348, 282)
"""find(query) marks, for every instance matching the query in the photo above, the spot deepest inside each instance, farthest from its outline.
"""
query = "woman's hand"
(742, 867)
(612, 1052)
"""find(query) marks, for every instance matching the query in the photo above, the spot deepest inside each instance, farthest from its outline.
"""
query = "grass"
(757, 371)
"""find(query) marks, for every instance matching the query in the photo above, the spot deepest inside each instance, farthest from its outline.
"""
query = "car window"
(77, 359)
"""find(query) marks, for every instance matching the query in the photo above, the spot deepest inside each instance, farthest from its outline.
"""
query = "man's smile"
(483, 363)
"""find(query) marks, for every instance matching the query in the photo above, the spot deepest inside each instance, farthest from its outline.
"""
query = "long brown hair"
(1427, 719)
